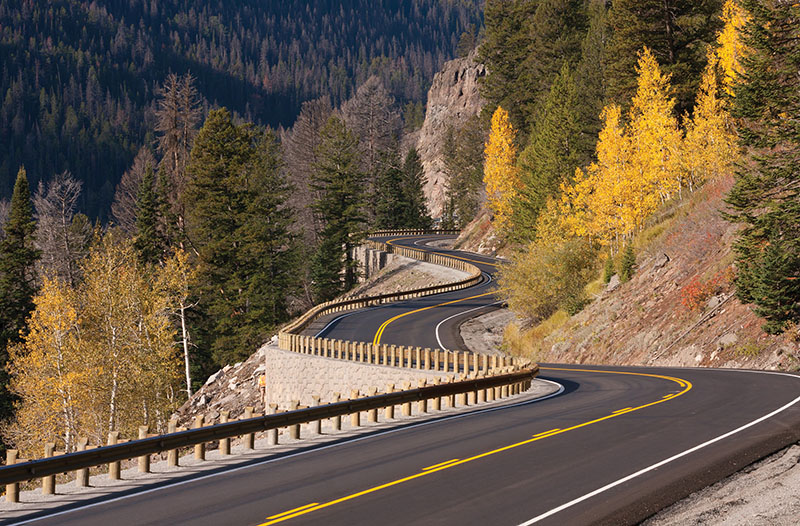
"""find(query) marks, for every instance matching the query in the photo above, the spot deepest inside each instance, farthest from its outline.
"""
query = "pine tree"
(340, 183)
(389, 203)
(18, 257)
(415, 208)
(462, 156)
(500, 173)
(591, 76)
(148, 242)
(554, 151)
(765, 197)
(609, 270)
(678, 33)
(628, 265)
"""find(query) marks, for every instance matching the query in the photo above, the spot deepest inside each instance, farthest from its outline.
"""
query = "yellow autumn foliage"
(731, 47)
(98, 358)
(500, 174)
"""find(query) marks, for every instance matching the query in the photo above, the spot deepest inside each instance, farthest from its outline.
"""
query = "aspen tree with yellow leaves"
(710, 148)
(731, 45)
(97, 358)
(501, 175)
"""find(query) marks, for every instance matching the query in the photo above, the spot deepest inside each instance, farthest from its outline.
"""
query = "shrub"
(609, 271)
(549, 276)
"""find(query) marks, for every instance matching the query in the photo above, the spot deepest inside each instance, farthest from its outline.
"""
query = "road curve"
(617, 445)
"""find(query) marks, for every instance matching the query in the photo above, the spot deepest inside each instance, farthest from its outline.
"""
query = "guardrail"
(481, 389)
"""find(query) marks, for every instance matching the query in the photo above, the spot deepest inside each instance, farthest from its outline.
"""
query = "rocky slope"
(452, 99)
(679, 309)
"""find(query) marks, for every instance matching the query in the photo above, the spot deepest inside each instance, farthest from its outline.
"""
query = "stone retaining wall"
(295, 376)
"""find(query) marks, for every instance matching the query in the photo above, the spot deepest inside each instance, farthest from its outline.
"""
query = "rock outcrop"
(452, 99)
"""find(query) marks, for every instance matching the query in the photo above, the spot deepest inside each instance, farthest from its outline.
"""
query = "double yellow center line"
(450, 464)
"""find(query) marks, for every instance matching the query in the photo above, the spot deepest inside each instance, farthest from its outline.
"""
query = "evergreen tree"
(340, 184)
(554, 151)
(148, 242)
(389, 202)
(215, 201)
(18, 257)
(677, 31)
(609, 270)
(415, 206)
(504, 51)
(462, 156)
(591, 77)
(766, 194)
(628, 265)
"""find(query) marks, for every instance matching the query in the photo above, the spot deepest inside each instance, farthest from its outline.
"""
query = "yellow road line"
(622, 410)
(293, 511)
(547, 432)
(687, 386)
(385, 324)
(440, 465)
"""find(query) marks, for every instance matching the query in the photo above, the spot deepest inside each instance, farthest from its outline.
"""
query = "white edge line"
(439, 340)
(667, 460)
(305, 452)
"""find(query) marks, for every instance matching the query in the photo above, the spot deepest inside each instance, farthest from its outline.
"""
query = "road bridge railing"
(454, 393)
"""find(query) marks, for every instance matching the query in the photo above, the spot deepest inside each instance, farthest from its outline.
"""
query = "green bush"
(609, 271)
(628, 266)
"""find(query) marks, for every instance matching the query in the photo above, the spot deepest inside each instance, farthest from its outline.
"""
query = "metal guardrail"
(148, 446)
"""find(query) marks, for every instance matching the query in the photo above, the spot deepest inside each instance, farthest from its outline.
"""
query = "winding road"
(614, 446)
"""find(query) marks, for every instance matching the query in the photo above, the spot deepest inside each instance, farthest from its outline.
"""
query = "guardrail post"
(422, 405)
(426, 358)
(82, 475)
(113, 467)
(461, 399)
(294, 431)
(436, 359)
(199, 449)
(172, 454)
(476, 362)
(407, 405)
(504, 392)
(249, 439)
(49, 482)
(481, 393)
(12, 490)
(372, 415)
(224, 443)
(272, 434)
(355, 418)
(337, 420)
(144, 461)
(418, 357)
(392, 355)
(318, 423)
(451, 399)
(465, 358)
(437, 402)
(485, 365)
(384, 354)
(389, 409)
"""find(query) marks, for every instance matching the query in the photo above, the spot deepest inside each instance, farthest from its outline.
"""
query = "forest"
(79, 78)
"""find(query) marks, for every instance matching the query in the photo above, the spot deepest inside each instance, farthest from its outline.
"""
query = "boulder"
(613, 283)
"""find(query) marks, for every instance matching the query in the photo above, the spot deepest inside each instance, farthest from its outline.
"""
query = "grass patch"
(530, 342)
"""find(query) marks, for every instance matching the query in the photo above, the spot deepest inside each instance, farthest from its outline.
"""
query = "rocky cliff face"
(452, 99)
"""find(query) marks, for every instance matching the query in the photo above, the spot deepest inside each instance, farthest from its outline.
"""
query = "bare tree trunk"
(185, 341)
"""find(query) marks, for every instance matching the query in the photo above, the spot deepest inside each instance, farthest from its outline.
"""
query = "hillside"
(79, 78)
(679, 309)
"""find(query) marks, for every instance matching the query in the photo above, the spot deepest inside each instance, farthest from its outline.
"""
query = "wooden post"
(249, 439)
(337, 420)
(422, 405)
(144, 461)
(12, 490)
(389, 409)
(224, 443)
(426, 358)
(372, 414)
(407, 405)
(82, 475)
(272, 434)
(172, 454)
(199, 449)
(113, 467)
(318, 424)
(49, 482)
(294, 431)
(355, 418)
